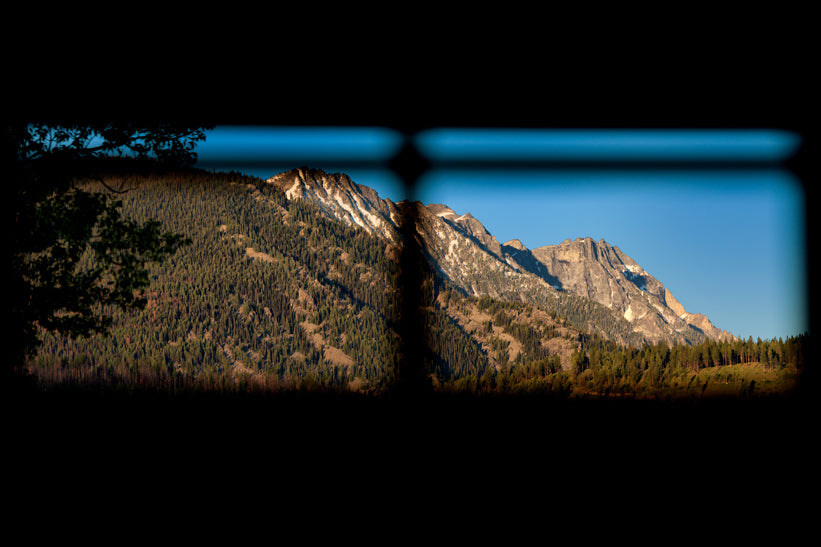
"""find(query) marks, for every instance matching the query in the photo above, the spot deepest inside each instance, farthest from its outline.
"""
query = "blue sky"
(266, 151)
(727, 243)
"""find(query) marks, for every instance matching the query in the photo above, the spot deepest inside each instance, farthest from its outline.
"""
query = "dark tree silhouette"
(69, 251)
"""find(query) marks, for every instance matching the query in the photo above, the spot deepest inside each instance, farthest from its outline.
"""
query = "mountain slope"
(270, 295)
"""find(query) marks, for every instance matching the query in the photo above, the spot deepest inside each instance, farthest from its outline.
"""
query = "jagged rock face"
(341, 198)
(596, 270)
(520, 258)
(602, 272)
(468, 226)
(471, 258)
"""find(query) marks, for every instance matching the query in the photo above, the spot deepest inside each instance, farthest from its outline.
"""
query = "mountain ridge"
(468, 256)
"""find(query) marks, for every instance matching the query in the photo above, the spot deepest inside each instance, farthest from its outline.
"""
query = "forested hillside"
(267, 295)
(272, 295)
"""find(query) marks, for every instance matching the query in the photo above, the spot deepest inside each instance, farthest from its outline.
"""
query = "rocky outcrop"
(602, 272)
(339, 197)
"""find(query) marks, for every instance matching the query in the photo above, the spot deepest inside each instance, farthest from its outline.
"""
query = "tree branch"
(109, 188)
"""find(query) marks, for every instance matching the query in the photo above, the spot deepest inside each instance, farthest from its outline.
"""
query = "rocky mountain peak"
(475, 229)
(604, 273)
(441, 210)
(341, 198)
(514, 244)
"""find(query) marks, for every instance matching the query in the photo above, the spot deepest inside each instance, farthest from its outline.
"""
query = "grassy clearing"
(750, 379)
(739, 381)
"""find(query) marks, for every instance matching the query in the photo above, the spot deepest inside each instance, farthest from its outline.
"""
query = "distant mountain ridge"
(469, 257)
